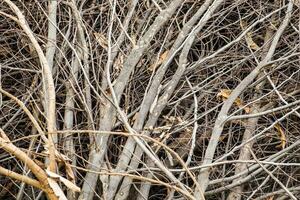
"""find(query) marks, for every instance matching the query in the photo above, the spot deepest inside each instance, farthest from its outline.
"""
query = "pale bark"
(219, 124)
(149, 97)
(107, 115)
(48, 85)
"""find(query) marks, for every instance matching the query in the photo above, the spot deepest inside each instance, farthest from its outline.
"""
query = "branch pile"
(174, 99)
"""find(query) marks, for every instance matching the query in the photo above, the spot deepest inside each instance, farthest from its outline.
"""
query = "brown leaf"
(162, 58)
(225, 93)
(248, 37)
(69, 171)
(64, 160)
(65, 181)
(134, 118)
(56, 189)
(101, 39)
(164, 55)
(281, 135)
(4, 50)
(119, 62)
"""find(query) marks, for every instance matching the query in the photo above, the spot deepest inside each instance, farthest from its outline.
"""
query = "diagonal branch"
(49, 89)
(203, 177)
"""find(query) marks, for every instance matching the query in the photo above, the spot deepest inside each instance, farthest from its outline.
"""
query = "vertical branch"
(162, 102)
(251, 124)
(49, 89)
(203, 177)
(51, 40)
(107, 113)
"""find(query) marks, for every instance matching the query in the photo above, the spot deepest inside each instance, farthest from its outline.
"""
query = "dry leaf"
(69, 171)
(64, 159)
(65, 181)
(119, 62)
(225, 93)
(248, 37)
(247, 109)
(281, 135)
(69, 184)
(222, 138)
(57, 190)
(164, 55)
(161, 129)
(101, 39)
(170, 120)
(4, 51)
(134, 118)
(250, 42)
(29, 46)
(162, 58)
